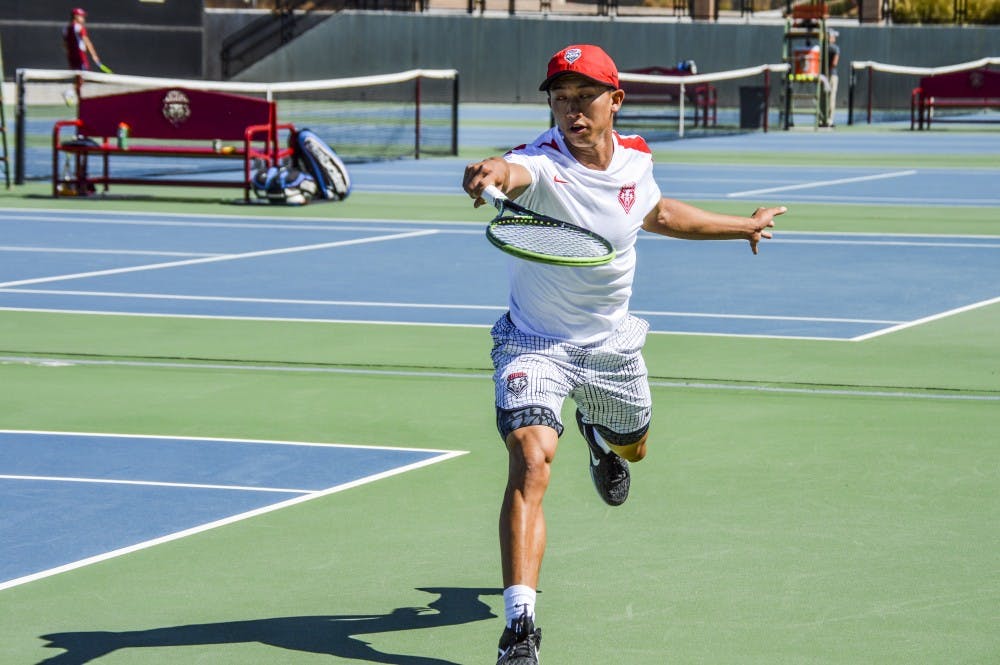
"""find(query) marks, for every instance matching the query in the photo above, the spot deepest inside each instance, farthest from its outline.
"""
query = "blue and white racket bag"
(319, 160)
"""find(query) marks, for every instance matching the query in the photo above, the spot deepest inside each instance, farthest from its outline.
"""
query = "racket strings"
(549, 238)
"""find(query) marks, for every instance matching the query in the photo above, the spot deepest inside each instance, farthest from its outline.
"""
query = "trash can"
(752, 107)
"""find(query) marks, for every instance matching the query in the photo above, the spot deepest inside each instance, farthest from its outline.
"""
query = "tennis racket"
(536, 237)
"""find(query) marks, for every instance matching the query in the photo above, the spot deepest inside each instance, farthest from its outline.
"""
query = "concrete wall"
(502, 58)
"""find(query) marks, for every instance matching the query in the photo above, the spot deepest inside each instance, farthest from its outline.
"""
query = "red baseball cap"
(583, 59)
(79, 12)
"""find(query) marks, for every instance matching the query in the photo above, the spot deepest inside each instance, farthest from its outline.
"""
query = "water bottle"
(123, 130)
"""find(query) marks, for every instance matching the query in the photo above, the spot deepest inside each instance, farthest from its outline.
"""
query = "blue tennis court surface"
(70, 498)
(824, 286)
(953, 187)
(756, 183)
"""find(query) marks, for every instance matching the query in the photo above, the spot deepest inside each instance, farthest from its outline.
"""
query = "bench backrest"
(174, 113)
(980, 83)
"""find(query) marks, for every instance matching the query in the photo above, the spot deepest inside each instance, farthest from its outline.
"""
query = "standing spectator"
(833, 59)
(77, 42)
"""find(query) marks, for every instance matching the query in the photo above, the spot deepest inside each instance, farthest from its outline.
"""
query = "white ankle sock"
(517, 600)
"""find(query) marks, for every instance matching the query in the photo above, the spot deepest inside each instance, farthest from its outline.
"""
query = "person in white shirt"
(568, 332)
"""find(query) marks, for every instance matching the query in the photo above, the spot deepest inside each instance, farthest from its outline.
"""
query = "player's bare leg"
(522, 523)
(522, 533)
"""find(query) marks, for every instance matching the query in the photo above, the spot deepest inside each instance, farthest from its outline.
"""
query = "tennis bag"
(315, 157)
(284, 185)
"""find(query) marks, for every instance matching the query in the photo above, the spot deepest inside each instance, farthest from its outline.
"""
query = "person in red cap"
(568, 331)
(77, 44)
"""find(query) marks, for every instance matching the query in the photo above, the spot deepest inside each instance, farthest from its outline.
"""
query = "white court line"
(885, 243)
(889, 201)
(926, 319)
(225, 440)
(823, 183)
(759, 317)
(137, 218)
(267, 301)
(152, 483)
(957, 394)
(215, 259)
(219, 317)
(442, 456)
(383, 224)
(125, 252)
(847, 392)
(403, 305)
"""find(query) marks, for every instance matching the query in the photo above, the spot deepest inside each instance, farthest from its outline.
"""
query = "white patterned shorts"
(609, 382)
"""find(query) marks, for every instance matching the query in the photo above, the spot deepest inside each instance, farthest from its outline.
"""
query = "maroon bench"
(702, 97)
(970, 89)
(167, 122)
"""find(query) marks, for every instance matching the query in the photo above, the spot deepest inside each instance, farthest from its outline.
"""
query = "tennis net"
(405, 114)
(662, 103)
(882, 92)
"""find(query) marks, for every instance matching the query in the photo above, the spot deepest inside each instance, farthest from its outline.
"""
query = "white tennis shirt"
(585, 305)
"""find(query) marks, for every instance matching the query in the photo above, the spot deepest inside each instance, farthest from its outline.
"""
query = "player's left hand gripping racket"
(536, 237)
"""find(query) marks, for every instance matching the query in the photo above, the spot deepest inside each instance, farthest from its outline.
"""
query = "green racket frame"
(511, 213)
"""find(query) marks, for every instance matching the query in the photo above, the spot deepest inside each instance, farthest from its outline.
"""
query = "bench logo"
(626, 196)
(517, 383)
(176, 107)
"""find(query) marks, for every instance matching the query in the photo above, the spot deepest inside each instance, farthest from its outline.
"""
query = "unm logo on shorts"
(517, 383)
(626, 196)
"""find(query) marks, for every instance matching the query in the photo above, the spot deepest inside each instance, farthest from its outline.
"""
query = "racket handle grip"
(494, 196)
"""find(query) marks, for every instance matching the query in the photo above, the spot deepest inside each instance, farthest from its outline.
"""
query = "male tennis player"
(569, 332)
(77, 42)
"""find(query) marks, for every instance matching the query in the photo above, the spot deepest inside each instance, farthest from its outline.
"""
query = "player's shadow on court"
(334, 635)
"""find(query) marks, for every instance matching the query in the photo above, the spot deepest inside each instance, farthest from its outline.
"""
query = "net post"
(850, 96)
(869, 94)
(3, 125)
(767, 96)
(416, 124)
(19, 118)
(680, 127)
(454, 115)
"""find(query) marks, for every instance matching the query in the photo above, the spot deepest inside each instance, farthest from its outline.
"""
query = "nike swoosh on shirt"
(556, 178)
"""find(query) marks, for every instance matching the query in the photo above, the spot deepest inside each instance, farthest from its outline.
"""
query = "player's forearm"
(681, 220)
(90, 49)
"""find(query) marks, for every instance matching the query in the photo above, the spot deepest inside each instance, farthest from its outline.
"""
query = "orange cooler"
(806, 61)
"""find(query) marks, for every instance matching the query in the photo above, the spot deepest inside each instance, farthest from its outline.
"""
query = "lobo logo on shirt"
(626, 196)
(516, 383)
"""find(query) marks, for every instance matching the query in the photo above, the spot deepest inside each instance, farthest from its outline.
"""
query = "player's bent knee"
(630, 446)
(633, 453)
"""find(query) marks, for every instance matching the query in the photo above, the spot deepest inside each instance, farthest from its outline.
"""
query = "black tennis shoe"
(608, 471)
(520, 643)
